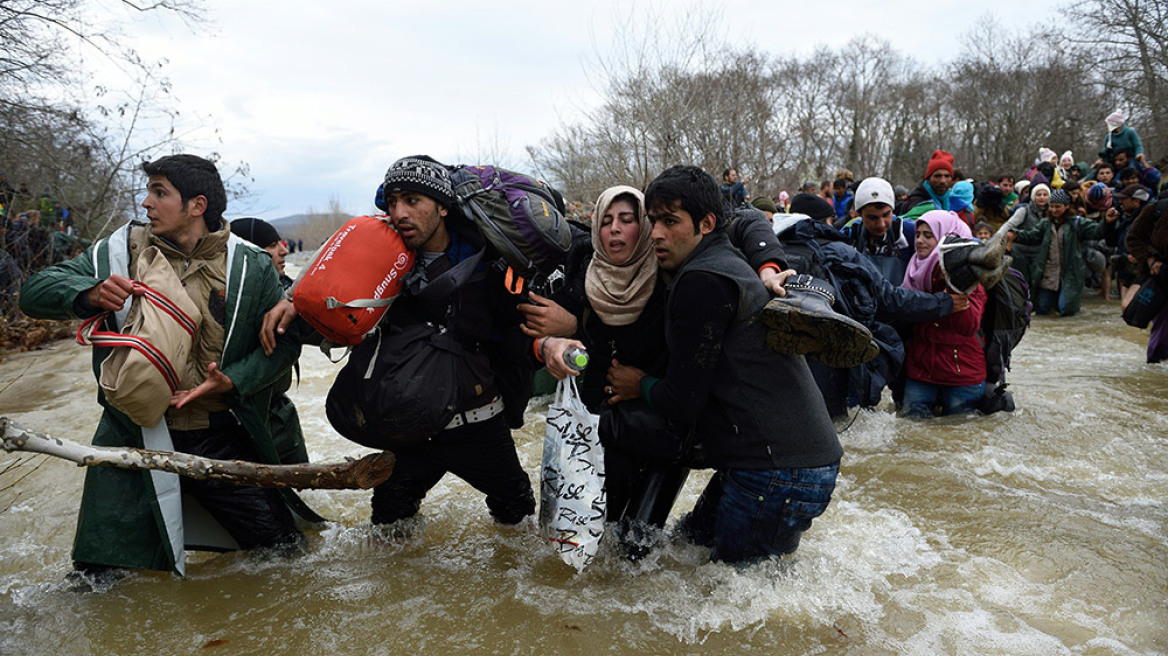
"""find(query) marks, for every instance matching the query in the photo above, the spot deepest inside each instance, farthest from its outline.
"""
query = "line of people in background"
(1067, 220)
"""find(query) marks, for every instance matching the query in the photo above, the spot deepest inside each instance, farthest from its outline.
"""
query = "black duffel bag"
(635, 427)
(1147, 302)
(399, 388)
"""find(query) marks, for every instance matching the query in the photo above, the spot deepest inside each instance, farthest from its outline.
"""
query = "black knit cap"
(257, 231)
(813, 206)
(423, 175)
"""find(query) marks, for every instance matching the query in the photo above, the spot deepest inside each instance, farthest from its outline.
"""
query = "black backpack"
(1004, 322)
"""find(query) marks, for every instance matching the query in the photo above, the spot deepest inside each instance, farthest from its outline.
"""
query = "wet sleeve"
(51, 293)
(256, 370)
(753, 235)
(702, 308)
(909, 305)
(1032, 236)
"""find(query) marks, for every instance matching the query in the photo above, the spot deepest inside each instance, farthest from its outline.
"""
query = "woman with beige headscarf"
(618, 302)
(613, 302)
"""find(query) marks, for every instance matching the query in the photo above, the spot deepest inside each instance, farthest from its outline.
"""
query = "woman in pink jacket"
(945, 362)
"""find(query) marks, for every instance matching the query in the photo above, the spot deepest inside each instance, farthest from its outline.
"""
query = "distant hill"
(311, 229)
(290, 222)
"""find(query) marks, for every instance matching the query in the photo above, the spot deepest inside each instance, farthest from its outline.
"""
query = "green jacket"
(1114, 142)
(127, 518)
(1073, 268)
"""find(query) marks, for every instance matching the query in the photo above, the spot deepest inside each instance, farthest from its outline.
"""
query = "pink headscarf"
(919, 274)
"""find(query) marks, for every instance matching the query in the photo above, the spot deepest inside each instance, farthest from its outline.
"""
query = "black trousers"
(481, 454)
(255, 517)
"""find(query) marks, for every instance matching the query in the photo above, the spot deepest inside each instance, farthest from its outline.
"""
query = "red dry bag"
(354, 278)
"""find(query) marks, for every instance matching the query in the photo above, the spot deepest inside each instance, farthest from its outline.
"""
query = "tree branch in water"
(351, 474)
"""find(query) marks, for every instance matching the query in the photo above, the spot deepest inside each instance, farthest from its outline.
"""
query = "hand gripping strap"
(89, 335)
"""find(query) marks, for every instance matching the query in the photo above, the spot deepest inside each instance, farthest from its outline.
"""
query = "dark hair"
(840, 183)
(727, 172)
(693, 188)
(1129, 172)
(1047, 169)
(193, 176)
(1130, 152)
(1006, 176)
(1105, 165)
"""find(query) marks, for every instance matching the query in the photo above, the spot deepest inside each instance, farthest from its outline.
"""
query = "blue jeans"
(920, 397)
(748, 515)
(1049, 300)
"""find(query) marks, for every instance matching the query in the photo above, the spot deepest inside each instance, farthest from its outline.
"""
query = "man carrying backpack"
(452, 291)
(882, 237)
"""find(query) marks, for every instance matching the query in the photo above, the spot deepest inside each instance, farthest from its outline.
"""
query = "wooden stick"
(351, 474)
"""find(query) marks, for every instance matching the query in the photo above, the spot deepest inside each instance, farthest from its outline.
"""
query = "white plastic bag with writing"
(572, 505)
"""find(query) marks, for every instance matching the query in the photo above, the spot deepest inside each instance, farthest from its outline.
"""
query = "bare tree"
(77, 142)
(1128, 45)
(866, 107)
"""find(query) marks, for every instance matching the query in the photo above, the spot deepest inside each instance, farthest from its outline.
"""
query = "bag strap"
(332, 303)
(89, 335)
(566, 389)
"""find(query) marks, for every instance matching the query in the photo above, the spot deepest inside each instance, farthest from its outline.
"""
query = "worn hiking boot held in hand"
(968, 263)
(803, 323)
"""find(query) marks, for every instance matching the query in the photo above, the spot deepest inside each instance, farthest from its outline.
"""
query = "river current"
(1039, 532)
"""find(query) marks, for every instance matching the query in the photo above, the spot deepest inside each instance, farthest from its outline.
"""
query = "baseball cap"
(874, 190)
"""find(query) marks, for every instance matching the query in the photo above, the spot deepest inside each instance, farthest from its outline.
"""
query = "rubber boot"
(803, 323)
(649, 507)
(967, 263)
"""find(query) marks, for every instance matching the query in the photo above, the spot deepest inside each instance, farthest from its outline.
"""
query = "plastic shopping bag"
(572, 504)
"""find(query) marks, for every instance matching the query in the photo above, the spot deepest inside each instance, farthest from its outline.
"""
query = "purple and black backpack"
(518, 215)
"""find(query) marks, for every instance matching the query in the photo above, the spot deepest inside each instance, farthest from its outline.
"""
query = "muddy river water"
(1041, 532)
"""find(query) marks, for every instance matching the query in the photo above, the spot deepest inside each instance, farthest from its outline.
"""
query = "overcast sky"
(318, 98)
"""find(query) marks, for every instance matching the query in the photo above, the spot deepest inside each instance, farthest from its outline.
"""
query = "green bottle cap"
(581, 360)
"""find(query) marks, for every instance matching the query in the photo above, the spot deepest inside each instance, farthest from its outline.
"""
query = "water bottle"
(576, 358)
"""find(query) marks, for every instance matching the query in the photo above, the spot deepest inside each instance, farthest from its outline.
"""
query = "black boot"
(968, 263)
(803, 323)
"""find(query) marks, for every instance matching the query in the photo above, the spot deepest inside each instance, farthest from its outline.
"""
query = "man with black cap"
(285, 421)
(476, 445)
(263, 234)
(814, 206)
(452, 288)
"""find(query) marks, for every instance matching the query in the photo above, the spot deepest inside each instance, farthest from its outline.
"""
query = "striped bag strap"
(88, 334)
